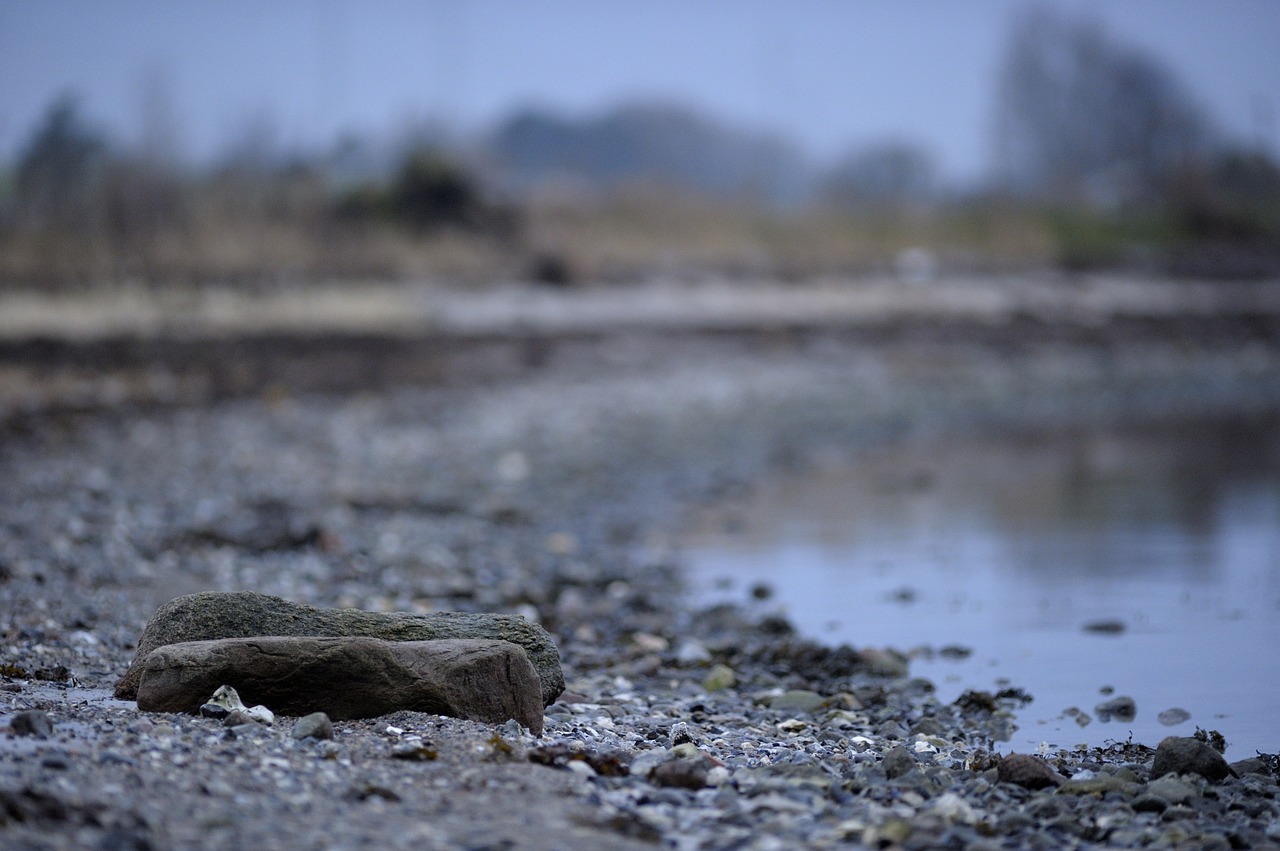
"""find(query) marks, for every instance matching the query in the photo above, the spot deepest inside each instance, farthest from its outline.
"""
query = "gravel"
(559, 495)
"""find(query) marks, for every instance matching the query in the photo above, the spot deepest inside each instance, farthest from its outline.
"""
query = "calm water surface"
(1014, 547)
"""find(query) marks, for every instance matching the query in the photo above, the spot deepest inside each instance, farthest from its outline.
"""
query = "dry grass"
(640, 234)
(634, 234)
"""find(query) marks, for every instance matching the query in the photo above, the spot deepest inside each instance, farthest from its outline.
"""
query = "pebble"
(32, 722)
(1028, 771)
(719, 677)
(690, 652)
(680, 734)
(1172, 789)
(1173, 717)
(314, 726)
(798, 700)
(681, 774)
(898, 761)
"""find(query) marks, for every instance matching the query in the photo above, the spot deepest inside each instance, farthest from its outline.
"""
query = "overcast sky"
(830, 74)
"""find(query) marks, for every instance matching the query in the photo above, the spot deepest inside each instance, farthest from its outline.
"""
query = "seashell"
(228, 699)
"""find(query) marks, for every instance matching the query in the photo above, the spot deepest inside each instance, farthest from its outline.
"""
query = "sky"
(829, 75)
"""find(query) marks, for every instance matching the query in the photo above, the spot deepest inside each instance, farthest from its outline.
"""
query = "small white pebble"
(577, 766)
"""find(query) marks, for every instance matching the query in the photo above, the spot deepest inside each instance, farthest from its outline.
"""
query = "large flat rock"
(480, 680)
(244, 614)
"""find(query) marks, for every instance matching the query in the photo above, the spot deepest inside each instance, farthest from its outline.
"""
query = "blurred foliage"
(1088, 239)
(74, 210)
(1084, 118)
(1236, 196)
(59, 174)
(1220, 218)
(429, 192)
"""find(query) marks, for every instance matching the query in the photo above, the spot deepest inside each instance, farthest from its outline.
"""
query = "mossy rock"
(245, 614)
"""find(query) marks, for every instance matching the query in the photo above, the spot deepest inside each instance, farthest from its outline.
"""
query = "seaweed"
(14, 672)
(1212, 738)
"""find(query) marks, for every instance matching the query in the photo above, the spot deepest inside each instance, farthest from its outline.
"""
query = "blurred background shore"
(1079, 146)
(470, 184)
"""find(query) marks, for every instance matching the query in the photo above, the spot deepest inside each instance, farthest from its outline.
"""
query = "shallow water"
(1168, 536)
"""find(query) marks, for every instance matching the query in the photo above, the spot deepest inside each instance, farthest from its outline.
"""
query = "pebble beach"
(551, 476)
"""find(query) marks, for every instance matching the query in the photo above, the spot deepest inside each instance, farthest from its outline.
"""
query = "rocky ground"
(550, 475)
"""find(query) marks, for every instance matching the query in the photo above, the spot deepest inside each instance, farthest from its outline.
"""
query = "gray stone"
(1099, 785)
(1120, 708)
(680, 734)
(1172, 789)
(1251, 765)
(314, 726)
(1148, 803)
(32, 722)
(720, 677)
(898, 761)
(929, 727)
(885, 663)
(680, 774)
(649, 760)
(1106, 627)
(1028, 772)
(1185, 755)
(241, 719)
(489, 681)
(798, 700)
(1173, 717)
(244, 614)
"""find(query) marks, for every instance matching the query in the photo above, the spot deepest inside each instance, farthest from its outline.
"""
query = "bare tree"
(57, 176)
(1083, 117)
(143, 192)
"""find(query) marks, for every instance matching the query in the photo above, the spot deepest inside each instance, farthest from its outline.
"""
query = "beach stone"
(885, 662)
(1251, 765)
(1172, 789)
(1173, 717)
(646, 761)
(214, 711)
(680, 774)
(720, 677)
(489, 681)
(798, 700)
(1149, 803)
(1028, 772)
(898, 761)
(691, 652)
(242, 720)
(1122, 708)
(245, 614)
(314, 726)
(1099, 785)
(680, 734)
(1186, 755)
(32, 722)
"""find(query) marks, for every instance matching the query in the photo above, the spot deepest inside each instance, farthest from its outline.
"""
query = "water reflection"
(1168, 538)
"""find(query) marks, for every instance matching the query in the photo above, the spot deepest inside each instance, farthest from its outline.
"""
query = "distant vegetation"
(1104, 161)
